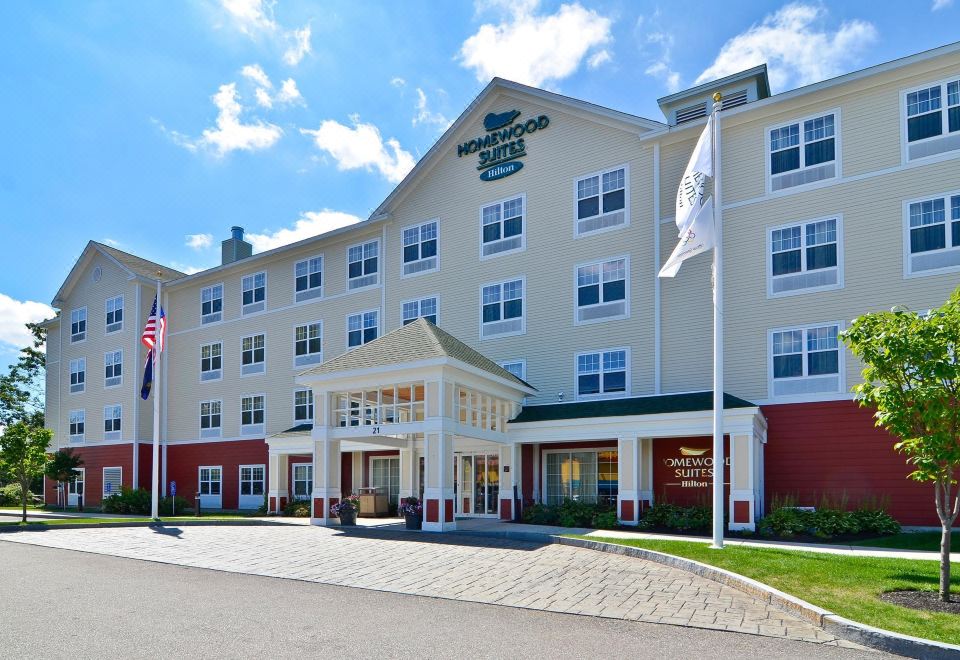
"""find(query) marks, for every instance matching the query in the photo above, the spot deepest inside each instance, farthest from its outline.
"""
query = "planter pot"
(348, 517)
(414, 521)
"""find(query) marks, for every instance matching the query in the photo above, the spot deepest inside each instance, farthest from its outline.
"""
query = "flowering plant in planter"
(410, 506)
(346, 506)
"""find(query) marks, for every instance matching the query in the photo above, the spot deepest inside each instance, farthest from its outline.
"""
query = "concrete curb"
(39, 527)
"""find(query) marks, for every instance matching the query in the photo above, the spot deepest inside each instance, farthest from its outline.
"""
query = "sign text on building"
(504, 142)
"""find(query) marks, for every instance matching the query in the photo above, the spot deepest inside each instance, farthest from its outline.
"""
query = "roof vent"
(234, 248)
(734, 99)
(692, 112)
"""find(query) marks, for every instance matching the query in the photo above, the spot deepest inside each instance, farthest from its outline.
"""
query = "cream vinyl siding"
(52, 393)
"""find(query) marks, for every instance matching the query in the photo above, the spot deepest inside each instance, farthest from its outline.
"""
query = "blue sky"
(155, 126)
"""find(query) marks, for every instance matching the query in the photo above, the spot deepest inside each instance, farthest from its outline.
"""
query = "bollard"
(196, 505)
(79, 501)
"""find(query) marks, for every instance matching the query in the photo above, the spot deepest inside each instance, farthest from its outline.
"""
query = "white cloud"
(310, 223)
(199, 241)
(231, 133)
(656, 47)
(398, 81)
(256, 73)
(263, 98)
(288, 92)
(425, 115)
(362, 147)
(941, 4)
(661, 69)
(251, 16)
(796, 44)
(534, 48)
(599, 58)
(187, 269)
(300, 47)
(14, 315)
(112, 242)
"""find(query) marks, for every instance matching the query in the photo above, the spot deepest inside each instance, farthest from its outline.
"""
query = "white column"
(407, 470)
(510, 471)
(645, 470)
(438, 509)
(326, 480)
(743, 502)
(536, 474)
(628, 475)
(277, 493)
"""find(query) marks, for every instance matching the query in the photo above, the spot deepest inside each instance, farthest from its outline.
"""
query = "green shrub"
(786, 522)
(680, 518)
(874, 521)
(166, 509)
(571, 513)
(10, 495)
(606, 520)
(827, 523)
(541, 514)
(128, 500)
(297, 509)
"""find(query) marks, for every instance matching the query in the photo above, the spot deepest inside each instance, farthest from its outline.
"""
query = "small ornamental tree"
(62, 468)
(912, 379)
(23, 453)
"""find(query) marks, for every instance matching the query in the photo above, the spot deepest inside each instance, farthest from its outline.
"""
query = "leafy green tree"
(62, 468)
(22, 387)
(23, 453)
(912, 379)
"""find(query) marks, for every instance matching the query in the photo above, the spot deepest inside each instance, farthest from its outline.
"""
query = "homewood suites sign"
(505, 142)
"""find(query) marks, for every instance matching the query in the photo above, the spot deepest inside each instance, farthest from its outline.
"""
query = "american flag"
(154, 331)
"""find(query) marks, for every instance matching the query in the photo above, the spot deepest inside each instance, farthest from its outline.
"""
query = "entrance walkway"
(546, 577)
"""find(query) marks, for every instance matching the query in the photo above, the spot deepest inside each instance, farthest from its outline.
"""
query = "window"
(210, 479)
(602, 291)
(77, 425)
(302, 481)
(583, 476)
(362, 265)
(602, 201)
(254, 288)
(517, 367)
(385, 477)
(252, 414)
(308, 279)
(112, 368)
(78, 325)
(78, 375)
(210, 419)
(308, 344)
(502, 309)
(75, 486)
(362, 328)
(211, 361)
(805, 360)
(211, 304)
(114, 314)
(302, 406)
(804, 257)
(420, 248)
(932, 235)
(414, 309)
(932, 119)
(251, 486)
(253, 355)
(501, 227)
(602, 374)
(111, 422)
(112, 480)
(803, 152)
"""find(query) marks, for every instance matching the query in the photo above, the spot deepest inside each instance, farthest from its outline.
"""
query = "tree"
(23, 453)
(62, 468)
(22, 387)
(912, 379)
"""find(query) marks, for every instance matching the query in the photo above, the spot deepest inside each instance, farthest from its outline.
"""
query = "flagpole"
(718, 453)
(155, 499)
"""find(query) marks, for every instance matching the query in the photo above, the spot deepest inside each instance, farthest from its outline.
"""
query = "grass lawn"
(848, 586)
(66, 521)
(911, 541)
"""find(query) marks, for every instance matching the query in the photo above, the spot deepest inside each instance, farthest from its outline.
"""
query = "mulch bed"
(927, 601)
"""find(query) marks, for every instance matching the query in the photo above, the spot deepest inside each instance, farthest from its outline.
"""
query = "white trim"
(657, 358)
(293, 483)
(122, 369)
(200, 428)
(837, 152)
(523, 221)
(944, 120)
(80, 370)
(523, 301)
(805, 327)
(419, 300)
(323, 279)
(601, 396)
(123, 314)
(418, 225)
(312, 406)
(220, 370)
(768, 250)
(380, 264)
(219, 497)
(570, 450)
(243, 307)
(254, 433)
(576, 291)
(253, 350)
(346, 322)
(319, 355)
(86, 325)
(79, 438)
(103, 480)
(112, 434)
(626, 201)
(223, 305)
(908, 255)
(263, 483)
(523, 366)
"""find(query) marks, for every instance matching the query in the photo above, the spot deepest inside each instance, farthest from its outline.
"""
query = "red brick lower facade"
(94, 460)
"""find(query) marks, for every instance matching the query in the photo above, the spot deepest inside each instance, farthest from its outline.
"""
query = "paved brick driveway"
(554, 578)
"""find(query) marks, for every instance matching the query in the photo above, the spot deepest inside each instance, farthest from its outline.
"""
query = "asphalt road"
(65, 604)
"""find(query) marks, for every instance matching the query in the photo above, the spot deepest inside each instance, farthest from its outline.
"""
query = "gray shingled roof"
(140, 266)
(298, 431)
(660, 404)
(420, 340)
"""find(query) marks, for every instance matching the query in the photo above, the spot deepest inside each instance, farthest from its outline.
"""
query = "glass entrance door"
(479, 480)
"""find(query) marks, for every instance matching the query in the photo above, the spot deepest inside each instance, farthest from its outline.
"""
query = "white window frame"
(908, 272)
(310, 406)
(837, 153)
(107, 311)
(300, 361)
(351, 281)
(81, 364)
(252, 428)
(370, 472)
(768, 248)
(213, 316)
(107, 365)
(81, 335)
(218, 372)
(841, 368)
(523, 317)
(240, 481)
(523, 222)
(200, 482)
(294, 480)
(103, 481)
(626, 201)
(944, 119)
(523, 367)
(603, 395)
(77, 417)
(419, 303)
(256, 306)
(116, 418)
(576, 291)
(253, 349)
(436, 257)
(211, 431)
(311, 292)
(361, 315)
(576, 450)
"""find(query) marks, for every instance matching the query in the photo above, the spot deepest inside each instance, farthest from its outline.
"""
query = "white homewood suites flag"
(694, 215)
